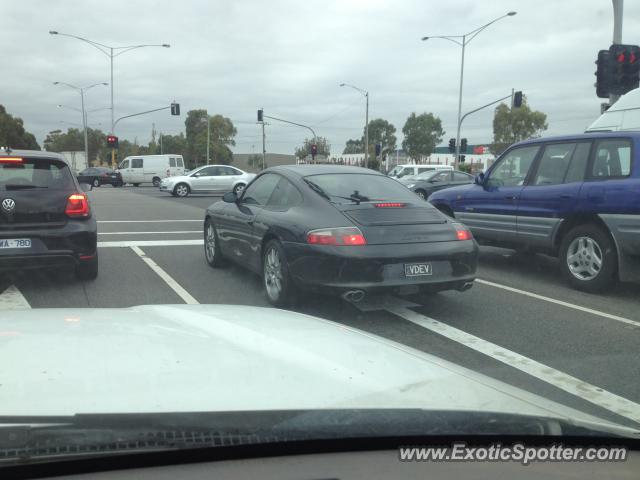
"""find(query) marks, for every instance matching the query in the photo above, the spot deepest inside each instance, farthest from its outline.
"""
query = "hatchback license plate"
(15, 243)
(417, 269)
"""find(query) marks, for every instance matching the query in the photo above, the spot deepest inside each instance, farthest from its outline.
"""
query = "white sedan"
(207, 179)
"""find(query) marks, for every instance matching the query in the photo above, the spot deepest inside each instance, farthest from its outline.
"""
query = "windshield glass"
(341, 187)
(324, 217)
(34, 173)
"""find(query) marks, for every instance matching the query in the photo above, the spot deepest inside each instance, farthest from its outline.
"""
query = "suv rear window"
(33, 173)
(373, 187)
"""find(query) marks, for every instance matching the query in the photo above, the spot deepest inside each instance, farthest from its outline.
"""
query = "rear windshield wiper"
(318, 189)
(22, 187)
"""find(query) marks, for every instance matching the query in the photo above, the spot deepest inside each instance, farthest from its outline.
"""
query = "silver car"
(207, 179)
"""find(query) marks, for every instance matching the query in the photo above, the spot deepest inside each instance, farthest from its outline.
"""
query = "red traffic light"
(314, 149)
(112, 141)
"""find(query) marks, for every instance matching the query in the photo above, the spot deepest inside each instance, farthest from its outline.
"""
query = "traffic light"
(462, 159)
(517, 99)
(175, 109)
(260, 115)
(452, 145)
(378, 149)
(625, 68)
(314, 150)
(603, 74)
(112, 141)
(463, 144)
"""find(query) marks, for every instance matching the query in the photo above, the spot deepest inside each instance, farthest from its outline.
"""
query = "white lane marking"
(149, 243)
(560, 302)
(168, 279)
(12, 299)
(148, 233)
(563, 381)
(149, 221)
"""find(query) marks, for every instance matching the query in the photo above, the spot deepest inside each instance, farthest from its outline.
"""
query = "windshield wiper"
(318, 189)
(22, 187)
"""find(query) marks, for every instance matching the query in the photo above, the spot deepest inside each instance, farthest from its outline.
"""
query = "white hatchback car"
(207, 179)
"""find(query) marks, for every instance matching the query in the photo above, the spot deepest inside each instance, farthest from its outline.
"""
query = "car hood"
(452, 191)
(179, 358)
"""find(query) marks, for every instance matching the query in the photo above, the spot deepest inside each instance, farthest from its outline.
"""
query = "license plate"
(417, 269)
(15, 243)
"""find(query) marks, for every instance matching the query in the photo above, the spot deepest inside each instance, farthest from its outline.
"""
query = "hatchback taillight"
(463, 233)
(336, 236)
(77, 205)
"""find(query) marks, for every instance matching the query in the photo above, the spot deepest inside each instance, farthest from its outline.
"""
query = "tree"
(421, 134)
(353, 146)
(324, 148)
(13, 134)
(382, 132)
(512, 125)
(222, 132)
(173, 144)
(73, 141)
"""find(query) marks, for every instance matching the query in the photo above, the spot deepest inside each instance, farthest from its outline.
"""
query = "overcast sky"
(288, 56)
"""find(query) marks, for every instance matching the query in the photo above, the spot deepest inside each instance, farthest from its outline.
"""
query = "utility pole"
(84, 126)
(617, 34)
(366, 134)
(208, 135)
(264, 148)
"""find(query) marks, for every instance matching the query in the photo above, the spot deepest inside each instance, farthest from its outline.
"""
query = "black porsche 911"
(338, 229)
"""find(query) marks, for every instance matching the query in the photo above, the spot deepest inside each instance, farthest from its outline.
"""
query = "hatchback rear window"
(341, 186)
(31, 173)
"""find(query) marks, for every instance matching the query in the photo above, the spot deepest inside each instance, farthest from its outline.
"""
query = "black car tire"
(87, 270)
(181, 190)
(96, 182)
(136, 184)
(422, 194)
(156, 181)
(212, 252)
(274, 265)
(583, 247)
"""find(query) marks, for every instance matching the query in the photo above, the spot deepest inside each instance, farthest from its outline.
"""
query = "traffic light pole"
(292, 123)
(457, 159)
(617, 34)
(136, 114)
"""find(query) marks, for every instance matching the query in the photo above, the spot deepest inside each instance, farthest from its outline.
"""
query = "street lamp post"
(84, 113)
(463, 42)
(366, 122)
(111, 52)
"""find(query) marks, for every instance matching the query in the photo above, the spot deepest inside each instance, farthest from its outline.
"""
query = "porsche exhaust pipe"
(465, 286)
(353, 296)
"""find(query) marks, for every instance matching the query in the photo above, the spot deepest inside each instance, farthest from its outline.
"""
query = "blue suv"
(575, 197)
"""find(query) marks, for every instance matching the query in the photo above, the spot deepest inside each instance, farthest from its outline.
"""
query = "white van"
(622, 115)
(139, 169)
(400, 171)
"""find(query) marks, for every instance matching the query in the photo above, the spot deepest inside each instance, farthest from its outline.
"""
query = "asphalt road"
(520, 323)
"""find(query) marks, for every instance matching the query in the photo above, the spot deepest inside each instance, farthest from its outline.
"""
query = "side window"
(554, 164)
(422, 170)
(578, 165)
(612, 159)
(124, 164)
(180, 163)
(406, 171)
(172, 162)
(136, 163)
(227, 171)
(207, 172)
(259, 192)
(285, 195)
(234, 171)
(462, 177)
(512, 169)
(441, 177)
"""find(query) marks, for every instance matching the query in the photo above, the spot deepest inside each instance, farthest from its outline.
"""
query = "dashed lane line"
(168, 279)
(200, 220)
(148, 243)
(149, 233)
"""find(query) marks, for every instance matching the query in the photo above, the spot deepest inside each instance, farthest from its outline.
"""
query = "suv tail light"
(77, 205)
(336, 236)
(13, 160)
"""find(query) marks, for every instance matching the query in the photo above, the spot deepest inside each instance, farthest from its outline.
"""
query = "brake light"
(11, 160)
(389, 205)
(463, 234)
(77, 205)
(336, 236)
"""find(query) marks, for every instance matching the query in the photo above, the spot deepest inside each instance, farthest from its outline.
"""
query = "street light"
(366, 122)
(465, 39)
(109, 52)
(84, 114)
